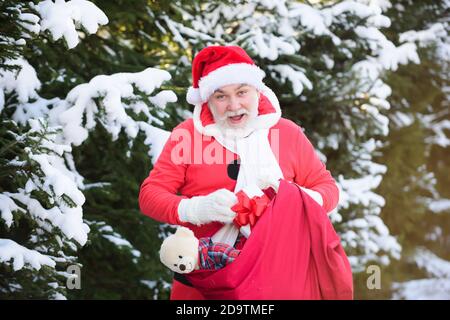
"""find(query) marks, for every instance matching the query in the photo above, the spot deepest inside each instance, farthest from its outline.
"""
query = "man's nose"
(234, 104)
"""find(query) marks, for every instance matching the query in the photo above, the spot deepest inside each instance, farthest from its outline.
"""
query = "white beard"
(235, 132)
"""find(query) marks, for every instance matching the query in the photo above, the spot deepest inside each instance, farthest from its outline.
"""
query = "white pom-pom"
(193, 96)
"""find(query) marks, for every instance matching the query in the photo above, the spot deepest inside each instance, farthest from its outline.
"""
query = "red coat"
(169, 182)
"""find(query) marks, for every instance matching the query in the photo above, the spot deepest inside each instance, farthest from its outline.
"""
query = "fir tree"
(41, 213)
(416, 185)
(124, 127)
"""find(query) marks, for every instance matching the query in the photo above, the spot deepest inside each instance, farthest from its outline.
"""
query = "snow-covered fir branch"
(436, 286)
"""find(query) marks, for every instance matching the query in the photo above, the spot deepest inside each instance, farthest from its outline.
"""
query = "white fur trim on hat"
(235, 73)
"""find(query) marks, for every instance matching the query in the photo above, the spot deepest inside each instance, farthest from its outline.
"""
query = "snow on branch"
(107, 99)
(62, 19)
(368, 232)
(294, 75)
(19, 256)
(7, 207)
(107, 232)
(435, 287)
(425, 37)
(439, 127)
(52, 177)
(23, 82)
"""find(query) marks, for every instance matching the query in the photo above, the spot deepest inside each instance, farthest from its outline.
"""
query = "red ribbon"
(248, 211)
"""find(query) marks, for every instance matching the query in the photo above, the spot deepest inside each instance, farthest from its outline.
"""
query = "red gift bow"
(248, 211)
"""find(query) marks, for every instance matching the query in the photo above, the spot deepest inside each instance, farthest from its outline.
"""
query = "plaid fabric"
(215, 255)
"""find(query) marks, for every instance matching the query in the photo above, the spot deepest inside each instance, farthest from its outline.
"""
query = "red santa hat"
(217, 66)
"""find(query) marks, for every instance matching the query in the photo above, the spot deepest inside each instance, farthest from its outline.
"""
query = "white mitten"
(314, 194)
(215, 206)
(266, 180)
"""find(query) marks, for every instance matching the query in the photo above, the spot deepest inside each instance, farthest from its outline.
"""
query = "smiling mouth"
(236, 119)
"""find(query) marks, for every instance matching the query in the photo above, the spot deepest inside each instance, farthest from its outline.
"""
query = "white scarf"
(256, 160)
(254, 151)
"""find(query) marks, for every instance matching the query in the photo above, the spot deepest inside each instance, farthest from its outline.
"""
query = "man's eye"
(220, 97)
(241, 93)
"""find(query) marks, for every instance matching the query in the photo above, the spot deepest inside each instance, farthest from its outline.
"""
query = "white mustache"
(233, 113)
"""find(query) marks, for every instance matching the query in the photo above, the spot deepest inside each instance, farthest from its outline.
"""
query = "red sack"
(293, 252)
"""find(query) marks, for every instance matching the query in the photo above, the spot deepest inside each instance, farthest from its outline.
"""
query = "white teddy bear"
(179, 251)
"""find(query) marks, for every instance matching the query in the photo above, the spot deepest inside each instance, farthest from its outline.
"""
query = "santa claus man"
(236, 137)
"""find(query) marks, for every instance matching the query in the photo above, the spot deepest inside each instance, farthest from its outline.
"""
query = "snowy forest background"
(90, 89)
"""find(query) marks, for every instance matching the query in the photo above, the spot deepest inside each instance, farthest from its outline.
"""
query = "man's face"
(234, 105)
